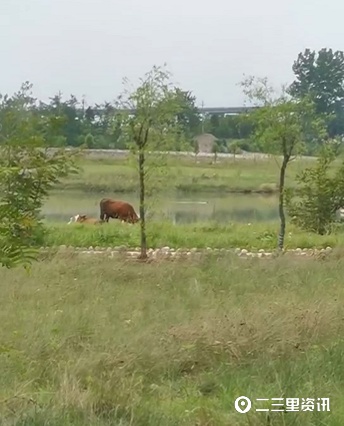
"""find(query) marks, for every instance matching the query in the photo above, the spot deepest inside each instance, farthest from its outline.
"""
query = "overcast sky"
(86, 47)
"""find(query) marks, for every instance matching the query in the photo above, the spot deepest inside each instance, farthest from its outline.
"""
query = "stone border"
(167, 252)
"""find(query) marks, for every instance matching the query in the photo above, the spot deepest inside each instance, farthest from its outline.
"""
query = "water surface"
(179, 208)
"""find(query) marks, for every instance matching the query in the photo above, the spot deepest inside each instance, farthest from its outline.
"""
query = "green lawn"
(120, 175)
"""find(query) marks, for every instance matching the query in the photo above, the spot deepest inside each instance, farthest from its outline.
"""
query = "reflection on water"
(236, 215)
(177, 208)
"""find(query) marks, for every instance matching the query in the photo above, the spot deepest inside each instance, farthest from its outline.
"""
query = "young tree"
(234, 148)
(152, 127)
(281, 126)
(195, 148)
(27, 172)
(215, 150)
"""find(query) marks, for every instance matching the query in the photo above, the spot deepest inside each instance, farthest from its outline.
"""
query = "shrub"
(313, 205)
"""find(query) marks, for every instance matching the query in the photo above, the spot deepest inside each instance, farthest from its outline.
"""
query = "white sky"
(86, 47)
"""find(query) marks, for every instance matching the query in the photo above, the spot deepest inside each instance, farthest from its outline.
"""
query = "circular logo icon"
(242, 404)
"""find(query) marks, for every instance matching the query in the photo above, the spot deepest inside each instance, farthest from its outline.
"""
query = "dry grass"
(103, 341)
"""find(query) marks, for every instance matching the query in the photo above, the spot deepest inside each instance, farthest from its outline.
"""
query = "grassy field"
(100, 341)
(200, 235)
(184, 174)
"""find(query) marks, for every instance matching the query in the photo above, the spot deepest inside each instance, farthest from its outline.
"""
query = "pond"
(178, 208)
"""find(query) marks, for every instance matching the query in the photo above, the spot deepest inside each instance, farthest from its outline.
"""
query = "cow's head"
(81, 218)
(78, 218)
(134, 219)
(73, 219)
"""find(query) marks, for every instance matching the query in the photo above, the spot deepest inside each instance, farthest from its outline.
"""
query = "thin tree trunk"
(281, 202)
(143, 254)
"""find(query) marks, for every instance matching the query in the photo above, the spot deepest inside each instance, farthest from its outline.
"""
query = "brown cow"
(117, 210)
(82, 218)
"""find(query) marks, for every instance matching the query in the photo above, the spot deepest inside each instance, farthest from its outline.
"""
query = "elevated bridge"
(203, 110)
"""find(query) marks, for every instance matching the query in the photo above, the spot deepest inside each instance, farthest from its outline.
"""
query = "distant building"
(205, 142)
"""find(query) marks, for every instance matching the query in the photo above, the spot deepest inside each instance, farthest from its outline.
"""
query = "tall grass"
(100, 341)
(199, 235)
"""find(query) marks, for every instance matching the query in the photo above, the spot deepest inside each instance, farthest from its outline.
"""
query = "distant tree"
(89, 114)
(153, 126)
(214, 124)
(215, 150)
(72, 127)
(234, 148)
(195, 148)
(89, 140)
(321, 77)
(281, 127)
(27, 173)
(189, 118)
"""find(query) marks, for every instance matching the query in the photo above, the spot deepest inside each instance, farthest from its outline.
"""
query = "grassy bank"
(160, 234)
(119, 175)
(96, 341)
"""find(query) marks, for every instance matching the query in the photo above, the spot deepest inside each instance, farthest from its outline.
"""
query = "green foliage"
(201, 234)
(321, 77)
(89, 141)
(155, 126)
(188, 117)
(220, 145)
(228, 127)
(27, 173)
(282, 125)
(158, 103)
(320, 193)
(234, 148)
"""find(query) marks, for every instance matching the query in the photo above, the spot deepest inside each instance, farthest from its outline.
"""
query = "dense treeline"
(319, 76)
(95, 126)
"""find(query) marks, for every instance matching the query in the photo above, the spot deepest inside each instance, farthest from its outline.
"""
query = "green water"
(177, 208)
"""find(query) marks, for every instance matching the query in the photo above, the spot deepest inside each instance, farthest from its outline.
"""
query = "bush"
(314, 204)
